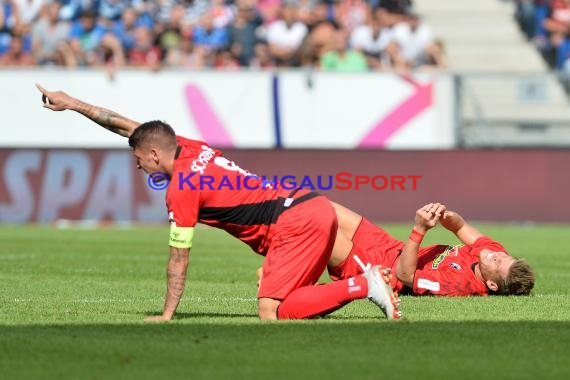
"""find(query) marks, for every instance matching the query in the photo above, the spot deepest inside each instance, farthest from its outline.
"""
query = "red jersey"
(440, 270)
(449, 271)
(208, 188)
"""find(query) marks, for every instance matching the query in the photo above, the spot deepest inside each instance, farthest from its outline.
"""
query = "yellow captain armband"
(181, 237)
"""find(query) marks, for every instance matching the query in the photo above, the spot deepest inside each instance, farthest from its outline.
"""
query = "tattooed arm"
(176, 275)
(110, 120)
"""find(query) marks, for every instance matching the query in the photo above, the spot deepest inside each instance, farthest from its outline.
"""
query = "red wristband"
(416, 237)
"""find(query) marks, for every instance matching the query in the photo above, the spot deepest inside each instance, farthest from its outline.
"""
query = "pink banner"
(207, 121)
(419, 101)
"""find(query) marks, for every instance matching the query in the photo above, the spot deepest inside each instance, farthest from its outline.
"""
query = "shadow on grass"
(181, 316)
(302, 349)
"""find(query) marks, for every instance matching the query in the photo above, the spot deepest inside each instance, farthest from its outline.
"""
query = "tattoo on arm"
(108, 119)
(176, 283)
(176, 274)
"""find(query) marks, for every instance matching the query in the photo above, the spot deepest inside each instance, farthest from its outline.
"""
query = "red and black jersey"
(208, 188)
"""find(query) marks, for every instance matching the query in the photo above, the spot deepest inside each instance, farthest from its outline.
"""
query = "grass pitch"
(72, 304)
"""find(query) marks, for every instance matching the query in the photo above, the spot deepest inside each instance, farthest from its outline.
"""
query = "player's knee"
(267, 308)
(267, 315)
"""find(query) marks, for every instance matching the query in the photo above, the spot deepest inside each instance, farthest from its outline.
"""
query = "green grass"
(72, 303)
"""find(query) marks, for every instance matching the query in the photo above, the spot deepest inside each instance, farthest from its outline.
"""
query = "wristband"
(416, 237)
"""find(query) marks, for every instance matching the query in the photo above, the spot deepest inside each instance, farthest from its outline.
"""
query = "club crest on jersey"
(455, 266)
(450, 250)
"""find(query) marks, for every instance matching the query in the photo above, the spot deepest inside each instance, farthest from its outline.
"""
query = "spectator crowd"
(334, 35)
(547, 24)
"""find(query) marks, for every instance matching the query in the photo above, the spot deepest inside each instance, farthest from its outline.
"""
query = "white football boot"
(380, 291)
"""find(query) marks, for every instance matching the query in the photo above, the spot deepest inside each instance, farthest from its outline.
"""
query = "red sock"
(319, 300)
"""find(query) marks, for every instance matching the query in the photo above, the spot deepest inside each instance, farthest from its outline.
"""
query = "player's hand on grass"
(428, 216)
(55, 100)
(157, 318)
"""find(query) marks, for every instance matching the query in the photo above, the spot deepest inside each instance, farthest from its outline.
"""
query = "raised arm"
(455, 223)
(110, 120)
(426, 218)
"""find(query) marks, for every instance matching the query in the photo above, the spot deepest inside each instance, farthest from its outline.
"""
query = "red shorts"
(372, 245)
(300, 248)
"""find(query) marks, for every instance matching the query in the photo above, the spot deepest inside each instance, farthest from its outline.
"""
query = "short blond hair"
(519, 281)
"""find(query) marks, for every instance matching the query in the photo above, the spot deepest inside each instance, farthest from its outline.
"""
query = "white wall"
(236, 109)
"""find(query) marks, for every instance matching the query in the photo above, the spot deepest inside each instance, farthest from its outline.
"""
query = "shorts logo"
(455, 266)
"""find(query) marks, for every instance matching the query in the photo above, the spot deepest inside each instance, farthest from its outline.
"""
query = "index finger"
(42, 90)
(45, 99)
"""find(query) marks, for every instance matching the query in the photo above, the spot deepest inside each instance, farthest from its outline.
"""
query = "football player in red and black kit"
(481, 266)
(296, 230)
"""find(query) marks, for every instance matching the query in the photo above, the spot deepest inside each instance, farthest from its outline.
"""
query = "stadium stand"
(509, 95)
(213, 34)
(481, 35)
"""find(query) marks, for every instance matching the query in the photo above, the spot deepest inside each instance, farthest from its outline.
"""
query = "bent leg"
(267, 308)
(371, 245)
(323, 299)
(298, 255)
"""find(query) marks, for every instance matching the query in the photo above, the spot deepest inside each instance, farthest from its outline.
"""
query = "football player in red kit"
(296, 230)
(480, 266)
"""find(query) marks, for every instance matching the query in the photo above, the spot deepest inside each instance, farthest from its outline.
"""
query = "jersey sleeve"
(183, 206)
(442, 283)
(487, 242)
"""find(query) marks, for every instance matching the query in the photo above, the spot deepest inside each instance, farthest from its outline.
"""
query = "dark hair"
(88, 13)
(154, 132)
(520, 279)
